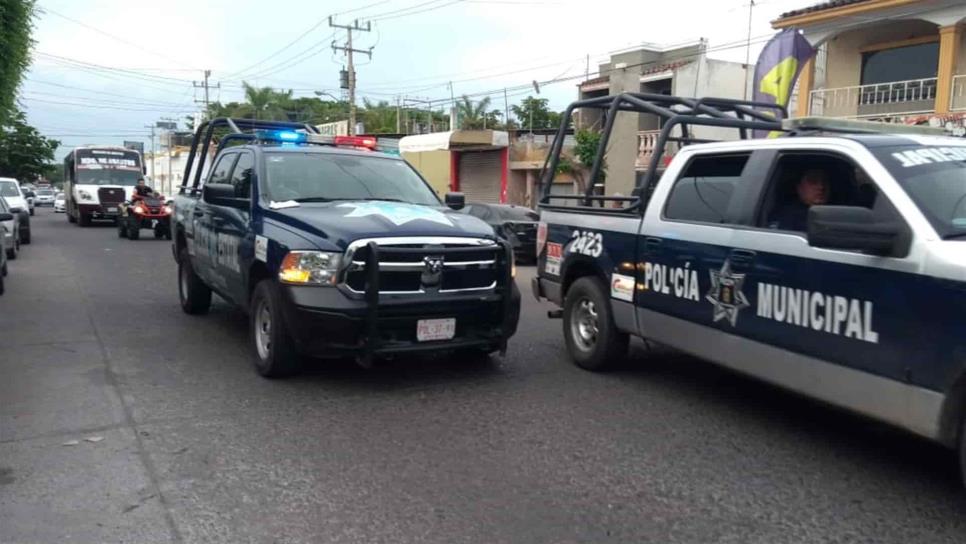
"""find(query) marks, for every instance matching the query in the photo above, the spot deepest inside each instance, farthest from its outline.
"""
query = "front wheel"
(592, 338)
(195, 296)
(12, 252)
(133, 232)
(273, 349)
(71, 218)
(31, 211)
(83, 219)
(121, 229)
(24, 236)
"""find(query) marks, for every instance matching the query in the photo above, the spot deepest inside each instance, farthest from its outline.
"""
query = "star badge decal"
(396, 212)
(726, 295)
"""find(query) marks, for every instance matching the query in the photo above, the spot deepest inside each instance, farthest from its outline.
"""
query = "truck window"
(703, 191)
(219, 174)
(787, 198)
(241, 176)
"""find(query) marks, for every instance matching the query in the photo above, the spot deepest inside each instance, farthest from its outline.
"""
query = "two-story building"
(891, 60)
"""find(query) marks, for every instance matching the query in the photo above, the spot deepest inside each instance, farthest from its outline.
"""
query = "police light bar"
(827, 124)
(292, 137)
(362, 142)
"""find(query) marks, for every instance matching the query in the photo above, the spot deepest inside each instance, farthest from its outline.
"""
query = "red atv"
(144, 212)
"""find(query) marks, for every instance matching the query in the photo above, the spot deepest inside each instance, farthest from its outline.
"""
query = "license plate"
(112, 210)
(435, 329)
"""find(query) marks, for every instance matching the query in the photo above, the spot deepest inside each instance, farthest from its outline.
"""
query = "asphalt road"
(197, 448)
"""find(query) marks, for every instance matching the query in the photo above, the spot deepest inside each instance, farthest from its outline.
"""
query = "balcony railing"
(958, 99)
(876, 100)
(646, 144)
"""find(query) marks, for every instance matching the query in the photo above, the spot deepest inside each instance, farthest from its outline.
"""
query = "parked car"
(516, 224)
(31, 198)
(4, 216)
(17, 201)
(10, 233)
(60, 203)
(45, 197)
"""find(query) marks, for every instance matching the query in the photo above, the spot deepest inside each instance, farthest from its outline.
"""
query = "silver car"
(10, 228)
(60, 203)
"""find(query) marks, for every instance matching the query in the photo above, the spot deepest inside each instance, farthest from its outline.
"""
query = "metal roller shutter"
(480, 176)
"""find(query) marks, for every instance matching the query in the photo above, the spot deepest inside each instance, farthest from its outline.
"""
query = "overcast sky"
(104, 69)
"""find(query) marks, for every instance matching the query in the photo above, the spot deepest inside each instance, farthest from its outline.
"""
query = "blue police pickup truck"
(335, 249)
(828, 259)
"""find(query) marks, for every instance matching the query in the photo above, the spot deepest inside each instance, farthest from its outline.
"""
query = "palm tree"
(472, 116)
(265, 102)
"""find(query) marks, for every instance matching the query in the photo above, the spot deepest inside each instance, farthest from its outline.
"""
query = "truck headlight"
(84, 195)
(309, 268)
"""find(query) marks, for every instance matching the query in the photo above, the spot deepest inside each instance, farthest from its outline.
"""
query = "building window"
(900, 74)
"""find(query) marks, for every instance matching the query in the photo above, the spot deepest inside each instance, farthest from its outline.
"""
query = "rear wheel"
(24, 236)
(12, 252)
(83, 219)
(71, 218)
(273, 349)
(195, 296)
(592, 338)
(1, 278)
(121, 229)
(133, 232)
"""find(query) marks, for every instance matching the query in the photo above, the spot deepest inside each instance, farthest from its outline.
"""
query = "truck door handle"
(651, 245)
(198, 213)
(742, 257)
(218, 220)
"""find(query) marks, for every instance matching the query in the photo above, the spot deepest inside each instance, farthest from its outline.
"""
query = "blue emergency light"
(281, 136)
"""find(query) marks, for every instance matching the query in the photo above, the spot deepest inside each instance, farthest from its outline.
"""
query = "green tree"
(379, 117)
(472, 116)
(585, 151)
(15, 28)
(24, 153)
(535, 111)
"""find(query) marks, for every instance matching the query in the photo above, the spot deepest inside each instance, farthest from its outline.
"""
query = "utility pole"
(348, 50)
(169, 155)
(204, 85)
(751, 7)
(506, 109)
(454, 120)
(153, 154)
(398, 115)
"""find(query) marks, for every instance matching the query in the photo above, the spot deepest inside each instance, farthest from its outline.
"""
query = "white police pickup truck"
(828, 259)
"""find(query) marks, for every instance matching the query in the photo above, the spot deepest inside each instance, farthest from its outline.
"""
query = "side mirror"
(6, 216)
(455, 201)
(16, 210)
(851, 227)
(223, 194)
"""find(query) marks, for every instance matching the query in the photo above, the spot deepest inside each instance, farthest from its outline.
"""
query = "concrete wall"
(622, 146)
(710, 77)
(434, 166)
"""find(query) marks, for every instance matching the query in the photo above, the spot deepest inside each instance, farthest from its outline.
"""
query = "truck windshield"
(325, 176)
(935, 178)
(108, 177)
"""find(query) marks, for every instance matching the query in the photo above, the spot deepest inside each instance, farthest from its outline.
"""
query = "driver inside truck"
(812, 189)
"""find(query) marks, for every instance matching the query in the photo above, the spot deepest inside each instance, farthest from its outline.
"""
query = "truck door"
(205, 241)
(685, 241)
(234, 239)
(840, 306)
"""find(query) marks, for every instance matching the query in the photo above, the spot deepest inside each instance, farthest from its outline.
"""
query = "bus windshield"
(107, 167)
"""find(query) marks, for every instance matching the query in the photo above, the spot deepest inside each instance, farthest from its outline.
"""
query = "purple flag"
(779, 64)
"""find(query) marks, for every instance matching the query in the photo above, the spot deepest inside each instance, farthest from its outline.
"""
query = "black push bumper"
(327, 322)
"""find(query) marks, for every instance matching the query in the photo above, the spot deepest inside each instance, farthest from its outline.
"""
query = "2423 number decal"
(587, 243)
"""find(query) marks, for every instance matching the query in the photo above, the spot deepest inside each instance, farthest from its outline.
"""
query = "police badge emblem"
(726, 295)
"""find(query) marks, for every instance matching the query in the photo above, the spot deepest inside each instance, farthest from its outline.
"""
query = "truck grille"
(110, 195)
(424, 264)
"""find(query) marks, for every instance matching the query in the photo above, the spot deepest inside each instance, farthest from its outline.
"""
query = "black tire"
(158, 233)
(31, 211)
(592, 339)
(1, 283)
(83, 220)
(195, 296)
(14, 251)
(273, 350)
(121, 229)
(133, 232)
(24, 237)
(71, 218)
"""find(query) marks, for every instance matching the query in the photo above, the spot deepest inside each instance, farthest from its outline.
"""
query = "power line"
(109, 35)
(351, 76)
(298, 38)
